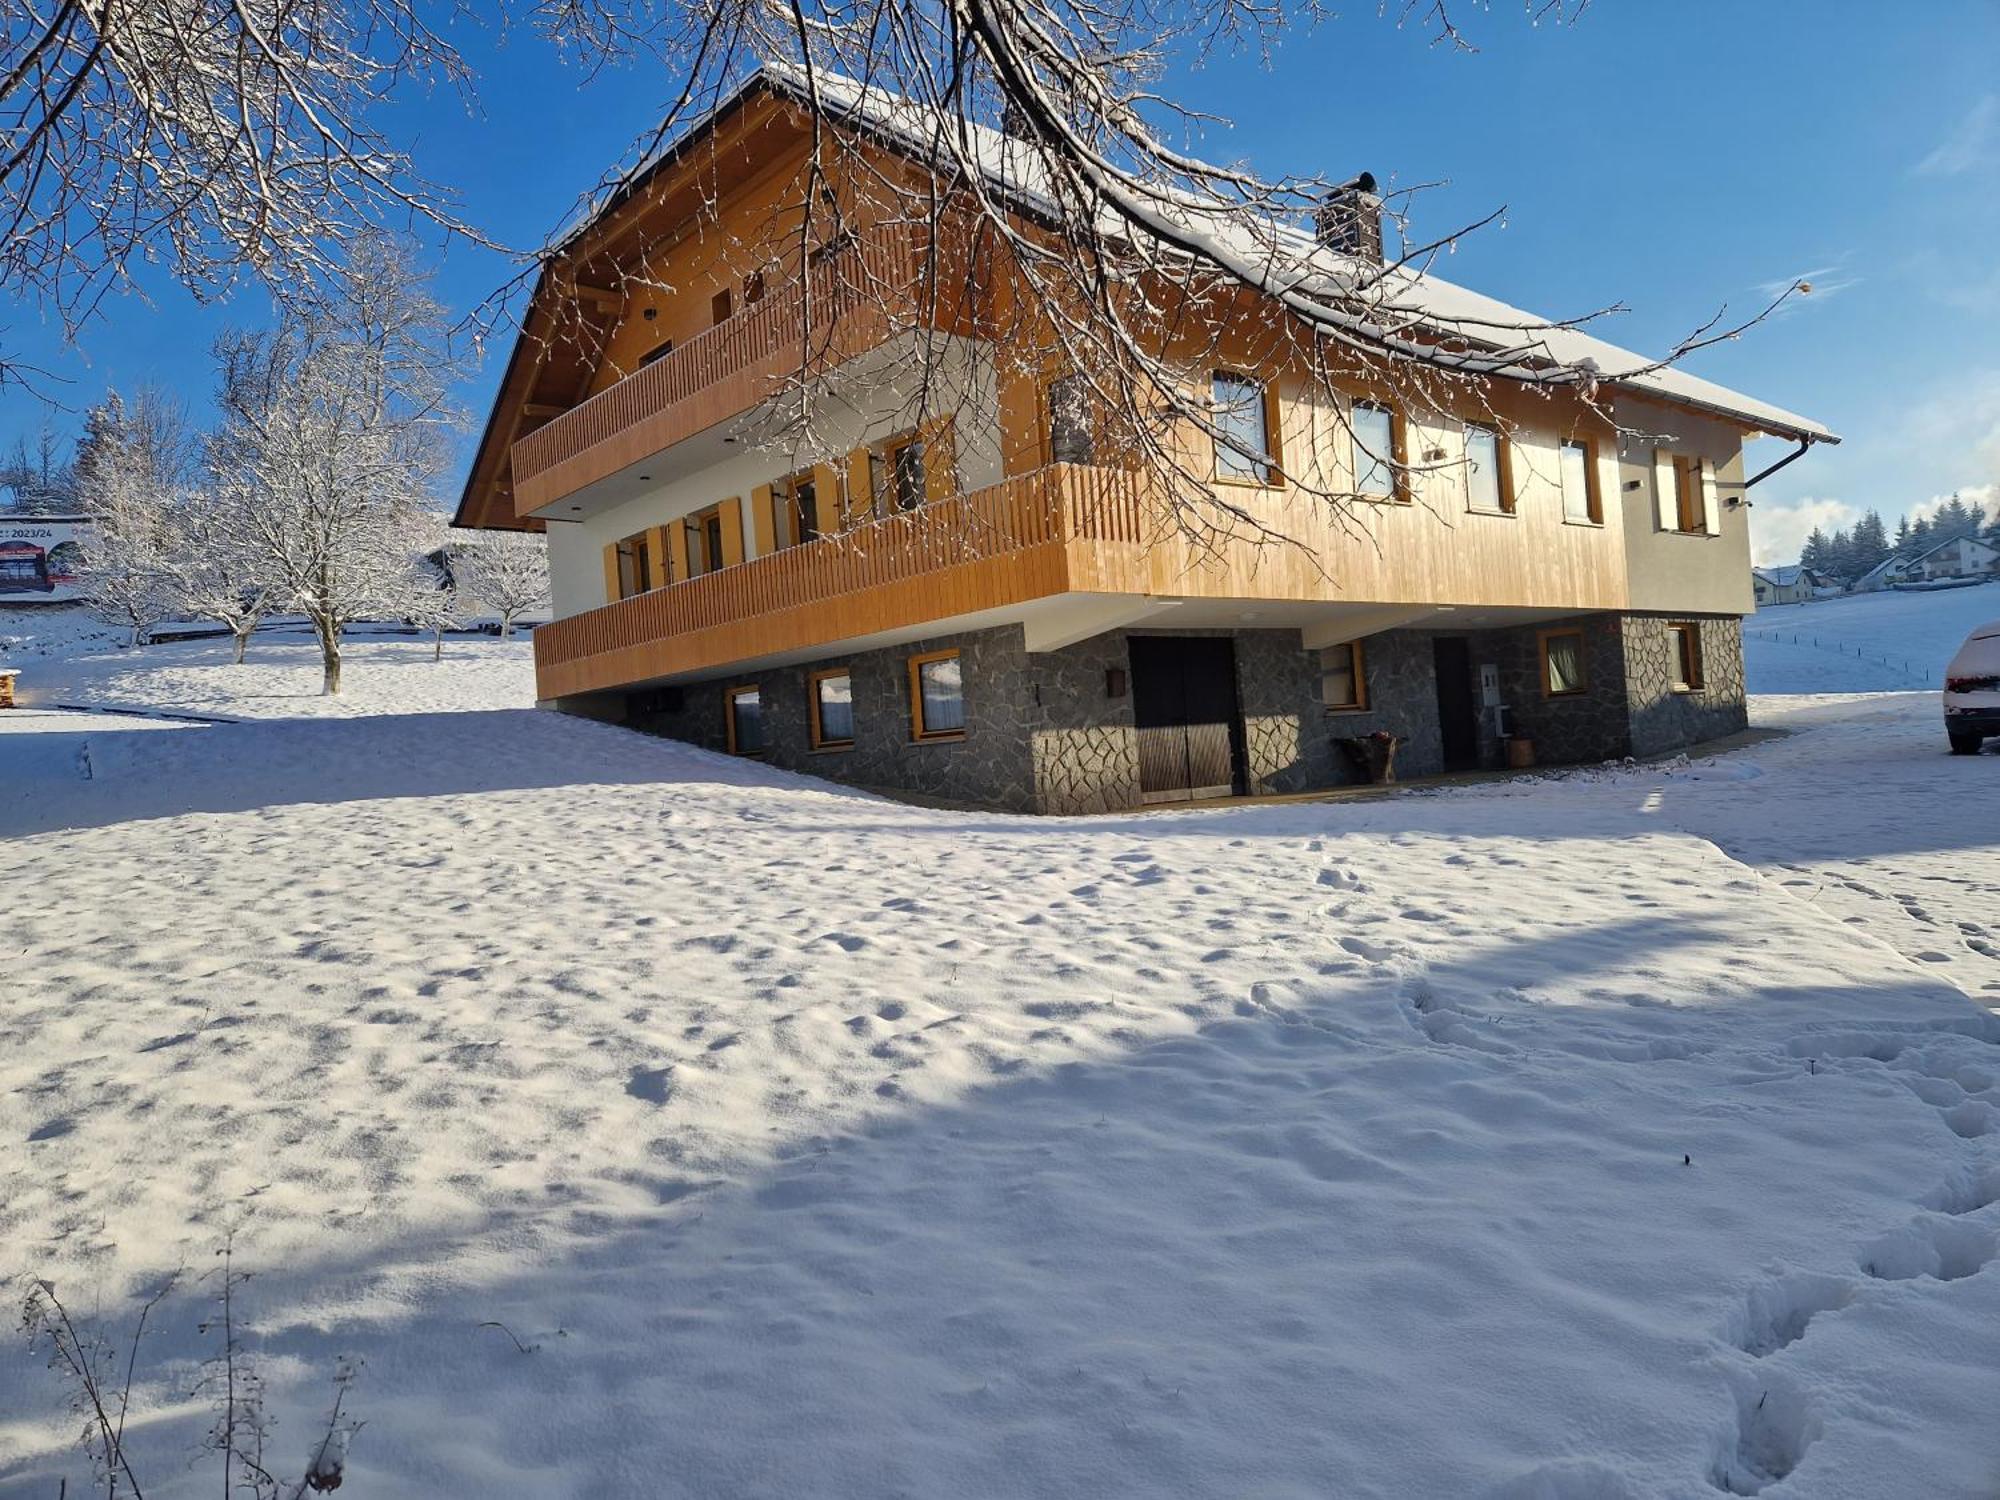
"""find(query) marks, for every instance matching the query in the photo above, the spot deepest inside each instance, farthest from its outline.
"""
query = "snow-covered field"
(1626, 1134)
(1863, 643)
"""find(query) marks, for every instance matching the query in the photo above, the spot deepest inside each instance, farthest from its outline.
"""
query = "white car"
(1972, 691)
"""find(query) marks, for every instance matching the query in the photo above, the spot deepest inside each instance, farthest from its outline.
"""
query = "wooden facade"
(1060, 529)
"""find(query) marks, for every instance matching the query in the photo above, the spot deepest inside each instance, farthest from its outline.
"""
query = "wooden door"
(1184, 709)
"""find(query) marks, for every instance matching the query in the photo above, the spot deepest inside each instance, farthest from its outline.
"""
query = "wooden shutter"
(1666, 498)
(940, 458)
(611, 573)
(731, 511)
(1711, 510)
(764, 525)
(858, 504)
(677, 549)
(657, 558)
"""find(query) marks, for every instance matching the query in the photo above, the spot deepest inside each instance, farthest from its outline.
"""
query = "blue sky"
(1671, 157)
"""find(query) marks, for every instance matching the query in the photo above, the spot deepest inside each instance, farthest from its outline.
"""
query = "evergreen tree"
(1902, 536)
(1813, 554)
(1871, 543)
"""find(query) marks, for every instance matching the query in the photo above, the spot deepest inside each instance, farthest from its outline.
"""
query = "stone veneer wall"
(1663, 719)
(1044, 734)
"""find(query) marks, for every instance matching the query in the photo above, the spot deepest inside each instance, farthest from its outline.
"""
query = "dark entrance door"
(1184, 705)
(1458, 718)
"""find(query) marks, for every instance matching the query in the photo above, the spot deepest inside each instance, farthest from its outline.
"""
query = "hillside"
(1863, 643)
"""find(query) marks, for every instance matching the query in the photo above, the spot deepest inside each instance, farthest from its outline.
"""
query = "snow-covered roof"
(1782, 578)
(1917, 557)
(1295, 261)
(1886, 566)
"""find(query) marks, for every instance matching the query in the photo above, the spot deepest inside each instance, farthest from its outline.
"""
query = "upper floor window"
(704, 541)
(1373, 430)
(1071, 440)
(896, 474)
(753, 288)
(1690, 510)
(1242, 416)
(635, 565)
(1578, 459)
(659, 351)
(798, 508)
(720, 307)
(1488, 478)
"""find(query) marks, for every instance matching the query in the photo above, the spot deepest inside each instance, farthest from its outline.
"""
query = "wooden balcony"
(1060, 530)
(848, 302)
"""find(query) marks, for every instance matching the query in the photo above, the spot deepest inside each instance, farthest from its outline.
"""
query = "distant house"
(1887, 573)
(1961, 557)
(1790, 585)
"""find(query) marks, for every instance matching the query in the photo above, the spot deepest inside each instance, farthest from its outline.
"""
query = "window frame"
(1265, 472)
(1690, 505)
(695, 526)
(1688, 676)
(721, 307)
(635, 549)
(919, 732)
(659, 351)
(1049, 410)
(820, 741)
(897, 472)
(1394, 462)
(1507, 501)
(1542, 639)
(753, 288)
(1358, 665)
(729, 697)
(1593, 489)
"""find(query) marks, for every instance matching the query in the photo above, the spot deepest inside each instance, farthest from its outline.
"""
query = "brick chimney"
(1350, 220)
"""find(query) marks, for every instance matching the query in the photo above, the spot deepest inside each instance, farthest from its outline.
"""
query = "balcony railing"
(849, 300)
(992, 547)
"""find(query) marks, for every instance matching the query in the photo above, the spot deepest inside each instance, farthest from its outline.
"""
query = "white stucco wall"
(1672, 571)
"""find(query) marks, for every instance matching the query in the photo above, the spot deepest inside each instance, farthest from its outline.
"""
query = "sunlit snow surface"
(1623, 1134)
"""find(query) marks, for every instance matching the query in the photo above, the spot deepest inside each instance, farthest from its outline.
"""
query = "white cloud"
(1969, 143)
(1983, 495)
(1779, 530)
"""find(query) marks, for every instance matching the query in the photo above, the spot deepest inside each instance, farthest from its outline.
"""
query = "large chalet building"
(981, 604)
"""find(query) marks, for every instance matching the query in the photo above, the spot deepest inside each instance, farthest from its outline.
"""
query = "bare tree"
(335, 430)
(506, 572)
(220, 574)
(132, 472)
(41, 478)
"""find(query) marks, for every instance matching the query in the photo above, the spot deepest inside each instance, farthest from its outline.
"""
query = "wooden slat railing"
(850, 300)
(1048, 508)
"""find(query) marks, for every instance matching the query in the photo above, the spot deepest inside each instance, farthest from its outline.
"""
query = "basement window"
(1562, 664)
(833, 709)
(937, 696)
(744, 712)
(1684, 637)
(1343, 678)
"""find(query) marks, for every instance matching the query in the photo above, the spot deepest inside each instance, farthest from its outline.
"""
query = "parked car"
(1972, 691)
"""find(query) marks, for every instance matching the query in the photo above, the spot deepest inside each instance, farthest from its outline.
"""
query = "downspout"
(1764, 474)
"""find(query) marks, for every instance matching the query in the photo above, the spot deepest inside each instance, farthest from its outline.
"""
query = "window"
(1489, 478)
(903, 485)
(704, 541)
(1071, 440)
(937, 696)
(1685, 639)
(832, 709)
(753, 288)
(1343, 677)
(635, 566)
(658, 351)
(1562, 663)
(720, 307)
(798, 509)
(1579, 482)
(745, 715)
(1243, 449)
(1689, 512)
(1373, 429)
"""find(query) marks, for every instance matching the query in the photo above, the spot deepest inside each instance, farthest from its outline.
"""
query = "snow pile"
(29, 632)
(1863, 643)
(1616, 1137)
